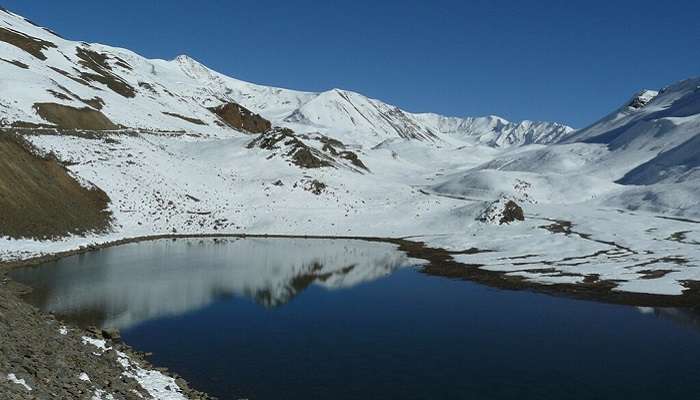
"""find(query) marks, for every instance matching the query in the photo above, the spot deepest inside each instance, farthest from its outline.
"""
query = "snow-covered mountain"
(659, 131)
(39, 68)
(638, 150)
(179, 148)
(496, 131)
(615, 119)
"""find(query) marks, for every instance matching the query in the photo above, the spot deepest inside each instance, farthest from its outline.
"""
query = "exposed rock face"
(16, 63)
(98, 62)
(308, 150)
(353, 159)
(239, 117)
(315, 186)
(31, 45)
(68, 117)
(511, 213)
(284, 140)
(40, 199)
(502, 211)
(337, 149)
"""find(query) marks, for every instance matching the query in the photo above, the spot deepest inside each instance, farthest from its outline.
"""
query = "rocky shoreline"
(44, 358)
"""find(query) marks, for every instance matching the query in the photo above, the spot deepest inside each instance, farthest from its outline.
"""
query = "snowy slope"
(653, 139)
(348, 111)
(615, 119)
(654, 145)
(662, 130)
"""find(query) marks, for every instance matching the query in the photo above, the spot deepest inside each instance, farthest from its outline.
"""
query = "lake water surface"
(345, 319)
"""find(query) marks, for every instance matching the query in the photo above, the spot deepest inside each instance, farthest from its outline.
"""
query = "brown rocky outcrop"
(239, 117)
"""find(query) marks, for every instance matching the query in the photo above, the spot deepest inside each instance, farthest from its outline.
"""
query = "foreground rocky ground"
(43, 358)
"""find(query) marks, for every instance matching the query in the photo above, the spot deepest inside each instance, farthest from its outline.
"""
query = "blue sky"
(568, 61)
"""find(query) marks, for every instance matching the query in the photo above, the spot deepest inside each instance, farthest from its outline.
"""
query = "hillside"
(42, 199)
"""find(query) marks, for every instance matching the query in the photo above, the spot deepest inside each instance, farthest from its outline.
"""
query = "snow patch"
(102, 395)
(13, 378)
(158, 385)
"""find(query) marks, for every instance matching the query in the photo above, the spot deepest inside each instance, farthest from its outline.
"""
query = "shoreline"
(439, 262)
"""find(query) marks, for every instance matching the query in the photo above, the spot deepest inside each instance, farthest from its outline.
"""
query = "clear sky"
(568, 61)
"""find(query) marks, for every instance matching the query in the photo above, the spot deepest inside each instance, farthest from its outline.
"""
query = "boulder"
(502, 211)
(112, 334)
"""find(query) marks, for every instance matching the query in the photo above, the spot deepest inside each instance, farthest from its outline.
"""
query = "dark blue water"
(399, 334)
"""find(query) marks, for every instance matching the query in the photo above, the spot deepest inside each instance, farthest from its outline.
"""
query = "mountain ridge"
(132, 87)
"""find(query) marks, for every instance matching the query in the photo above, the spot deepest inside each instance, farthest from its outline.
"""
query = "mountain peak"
(191, 67)
(185, 60)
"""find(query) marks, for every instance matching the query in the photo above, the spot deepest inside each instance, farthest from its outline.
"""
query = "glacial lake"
(264, 318)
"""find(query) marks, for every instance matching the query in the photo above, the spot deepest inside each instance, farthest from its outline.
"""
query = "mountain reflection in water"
(121, 287)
